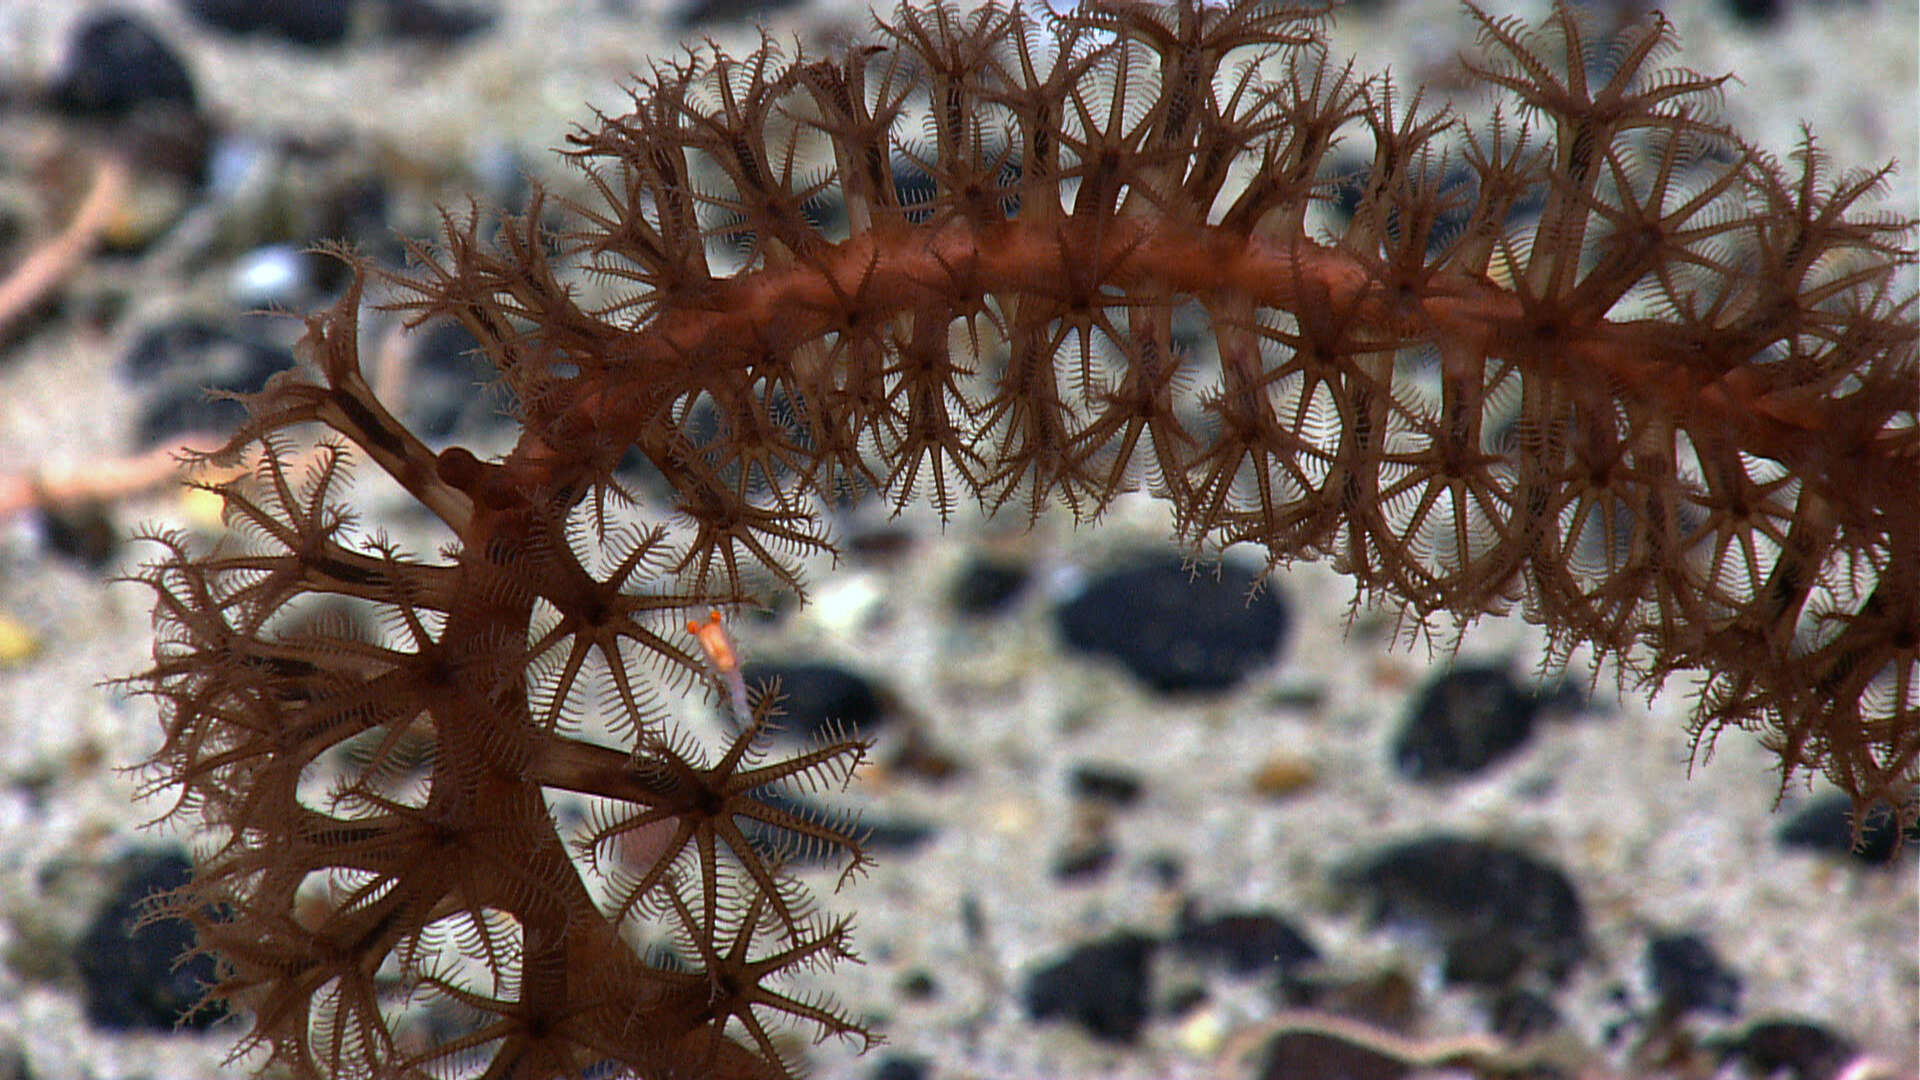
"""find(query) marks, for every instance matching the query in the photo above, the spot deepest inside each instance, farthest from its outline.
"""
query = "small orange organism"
(725, 661)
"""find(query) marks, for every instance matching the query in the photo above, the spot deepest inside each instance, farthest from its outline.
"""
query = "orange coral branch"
(50, 263)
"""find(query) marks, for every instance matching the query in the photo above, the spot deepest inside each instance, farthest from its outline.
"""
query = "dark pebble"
(879, 544)
(1085, 861)
(985, 587)
(1184, 1001)
(814, 700)
(1785, 1050)
(312, 23)
(324, 23)
(85, 533)
(920, 756)
(1107, 784)
(1164, 868)
(434, 23)
(1688, 976)
(1179, 630)
(1104, 986)
(170, 350)
(1462, 721)
(902, 1067)
(697, 13)
(1756, 14)
(128, 971)
(919, 986)
(1496, 911)
(1245, 943)
(895, 835)
(117, 63)
(1825, 824)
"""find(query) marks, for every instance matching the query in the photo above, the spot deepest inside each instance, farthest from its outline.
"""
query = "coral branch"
(1608, 364)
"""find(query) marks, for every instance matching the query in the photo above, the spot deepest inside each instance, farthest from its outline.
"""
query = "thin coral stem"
(891, 271)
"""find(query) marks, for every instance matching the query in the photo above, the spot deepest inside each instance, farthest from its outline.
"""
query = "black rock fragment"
(1244, 942)
(1104, 986)
(117, 63)
(1688, 976)
(985, 587)
(1498, 912)
(1781, 1049)
(1464, 720)
(128, 970)
(1825, 824)
(817, 700)
(1176, 629)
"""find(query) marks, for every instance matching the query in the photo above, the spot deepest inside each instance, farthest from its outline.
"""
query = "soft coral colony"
(1585, 354)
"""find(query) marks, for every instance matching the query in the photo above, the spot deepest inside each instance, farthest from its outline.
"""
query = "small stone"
(1688, 976)
(1755, 14)
(919, 986)
(1283, 774)
(1084, 860)
(894, 835)
(1490, 958)
(312, 23)
(433, 22)
(1106, 784)
(1164, 869)
(84, 532)
(1177, 630)
(129, 971)
(1245, 943)
(1495, 910)
(816, 700)
(327, 23)
(902, 1067)
(1789, 1049)
(1387, 999)
(1464, 720)
(1104, 986)
(117, 63)
(879, 543)
(984, 587)
(696, 13)
(1825, 825)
